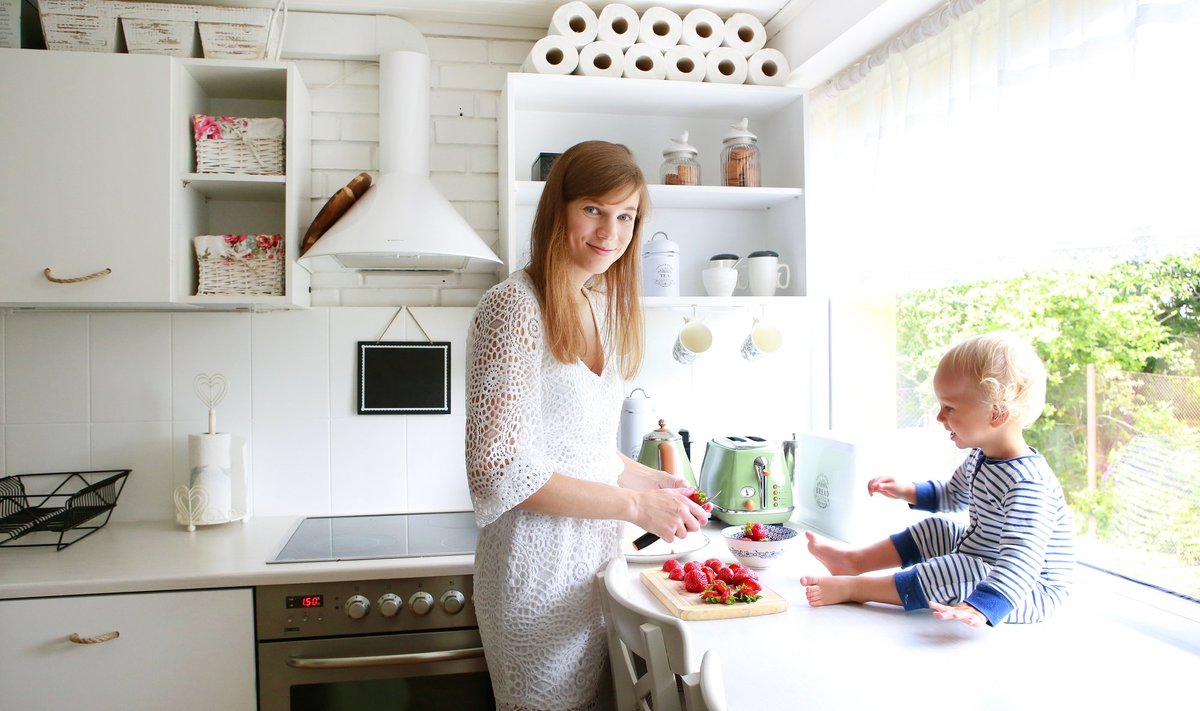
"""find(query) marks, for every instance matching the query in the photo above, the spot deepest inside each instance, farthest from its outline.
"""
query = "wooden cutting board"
(688, 606)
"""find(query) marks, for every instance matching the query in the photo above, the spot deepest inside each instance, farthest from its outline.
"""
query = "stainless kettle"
(663, 449)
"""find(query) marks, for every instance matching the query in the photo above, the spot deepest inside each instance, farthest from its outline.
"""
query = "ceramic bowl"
(759, 554)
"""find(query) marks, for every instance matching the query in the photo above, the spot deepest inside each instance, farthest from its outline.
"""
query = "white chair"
(641, 637)
(711, 683)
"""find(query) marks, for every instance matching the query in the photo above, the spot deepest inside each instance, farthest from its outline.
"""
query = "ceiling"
(513, 13)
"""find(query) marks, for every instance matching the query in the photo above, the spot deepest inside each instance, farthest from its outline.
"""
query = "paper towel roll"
(767, 67)
(618, 24)
(685, 63)
(601, 59)
(725, 65)
(575, 21)
(552, 54)
(209, 457)
(644, 62)
(660, 28)
(744, 33)
(702, 29)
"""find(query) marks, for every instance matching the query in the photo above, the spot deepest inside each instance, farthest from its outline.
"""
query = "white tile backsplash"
(291, 468)
(46, 374)
(290, 355)
(144, 447)
(367, 464)
(34, 449)
(130, 374)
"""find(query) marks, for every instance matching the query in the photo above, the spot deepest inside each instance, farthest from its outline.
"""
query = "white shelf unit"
(548, 114)
(241, 204)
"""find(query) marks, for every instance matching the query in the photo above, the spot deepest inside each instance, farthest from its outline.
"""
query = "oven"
(398, 643)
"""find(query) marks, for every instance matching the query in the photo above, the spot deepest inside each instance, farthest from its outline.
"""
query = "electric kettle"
(754, 478)
(663, 449)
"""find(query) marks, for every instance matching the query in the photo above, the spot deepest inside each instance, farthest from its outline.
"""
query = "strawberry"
(750, 586)
(699, 497)
(714, 563)
(718, 594)
(755, 532)
(690, 566)
(695, 581)
(675, 574)
(725, 575)
(710, 574)
(671, 564)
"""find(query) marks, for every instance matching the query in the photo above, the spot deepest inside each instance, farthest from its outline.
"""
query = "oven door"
(419, 670)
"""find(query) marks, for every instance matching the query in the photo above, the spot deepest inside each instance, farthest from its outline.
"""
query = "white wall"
(107, 390)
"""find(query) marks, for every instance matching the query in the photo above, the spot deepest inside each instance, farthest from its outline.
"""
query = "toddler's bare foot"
(827, 590)
(838, 560)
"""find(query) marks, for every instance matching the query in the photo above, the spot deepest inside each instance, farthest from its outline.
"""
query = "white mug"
(693, 339)
(766, 274)
(719, 281)
(764, 338)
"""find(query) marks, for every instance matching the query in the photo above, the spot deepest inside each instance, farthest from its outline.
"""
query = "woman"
(548, 351)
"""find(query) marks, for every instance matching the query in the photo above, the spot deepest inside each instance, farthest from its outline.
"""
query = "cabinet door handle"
(384, 659)
(74, 280)
(98, 639)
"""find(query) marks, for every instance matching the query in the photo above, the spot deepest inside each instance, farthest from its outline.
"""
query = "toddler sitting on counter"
(1013, 560)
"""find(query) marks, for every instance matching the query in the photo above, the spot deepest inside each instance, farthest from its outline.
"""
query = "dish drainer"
(42, 510)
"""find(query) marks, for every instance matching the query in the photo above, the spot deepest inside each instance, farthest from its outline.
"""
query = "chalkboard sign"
(402, 378)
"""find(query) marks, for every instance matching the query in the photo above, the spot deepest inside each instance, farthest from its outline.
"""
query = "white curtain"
(1025, 134)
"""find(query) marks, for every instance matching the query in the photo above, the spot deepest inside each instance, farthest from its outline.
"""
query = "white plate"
(660, 550)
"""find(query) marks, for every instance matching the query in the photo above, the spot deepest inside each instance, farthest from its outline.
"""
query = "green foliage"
(1138, 316)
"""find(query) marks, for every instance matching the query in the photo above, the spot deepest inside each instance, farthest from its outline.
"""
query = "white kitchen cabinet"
(175, 650)
(99, 175)
(548, 114)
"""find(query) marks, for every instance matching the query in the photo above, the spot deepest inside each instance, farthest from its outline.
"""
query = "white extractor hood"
(402, 223)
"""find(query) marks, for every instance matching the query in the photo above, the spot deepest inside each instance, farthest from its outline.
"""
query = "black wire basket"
(43, 510)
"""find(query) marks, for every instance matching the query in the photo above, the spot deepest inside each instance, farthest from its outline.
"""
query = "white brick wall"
(467, 74)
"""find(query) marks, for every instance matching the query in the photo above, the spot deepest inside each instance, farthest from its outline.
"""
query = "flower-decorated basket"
(246, 146)
(240, 264)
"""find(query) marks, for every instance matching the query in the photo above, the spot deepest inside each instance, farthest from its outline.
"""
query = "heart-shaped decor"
(190, 503)
(210, 389)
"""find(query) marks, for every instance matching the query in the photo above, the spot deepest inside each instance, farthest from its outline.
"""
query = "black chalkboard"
(402, 378)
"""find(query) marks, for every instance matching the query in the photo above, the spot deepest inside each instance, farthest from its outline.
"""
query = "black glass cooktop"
(328, 538)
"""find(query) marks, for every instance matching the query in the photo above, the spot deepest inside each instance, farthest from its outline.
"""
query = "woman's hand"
(889, 487)
(962, 612)
(639, 477)
(669, 513)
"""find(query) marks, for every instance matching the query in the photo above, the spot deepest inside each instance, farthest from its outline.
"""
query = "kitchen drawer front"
(177, 650)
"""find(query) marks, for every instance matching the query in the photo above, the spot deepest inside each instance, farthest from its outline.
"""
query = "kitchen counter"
(1101, 651)
(162, 555)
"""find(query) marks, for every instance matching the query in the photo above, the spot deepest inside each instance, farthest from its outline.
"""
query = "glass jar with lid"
(739, 158)
(679, 166)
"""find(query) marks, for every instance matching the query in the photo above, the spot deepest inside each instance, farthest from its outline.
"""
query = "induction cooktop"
(364, 537)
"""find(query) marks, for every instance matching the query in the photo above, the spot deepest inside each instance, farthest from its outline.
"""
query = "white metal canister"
(637, 418)
(660, 266)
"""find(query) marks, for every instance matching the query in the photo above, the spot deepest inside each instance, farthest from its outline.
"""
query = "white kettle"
(637, 418)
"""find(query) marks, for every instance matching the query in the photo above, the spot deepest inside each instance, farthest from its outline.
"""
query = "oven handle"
(384, 660)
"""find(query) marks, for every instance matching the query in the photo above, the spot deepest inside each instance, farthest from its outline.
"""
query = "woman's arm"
(668, 513)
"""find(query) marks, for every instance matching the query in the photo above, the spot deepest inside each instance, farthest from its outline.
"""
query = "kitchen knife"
(647, 539)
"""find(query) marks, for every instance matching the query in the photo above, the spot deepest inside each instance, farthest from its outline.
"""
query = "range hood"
(401, 223)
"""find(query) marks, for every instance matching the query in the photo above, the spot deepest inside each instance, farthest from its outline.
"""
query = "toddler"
(1012, 561)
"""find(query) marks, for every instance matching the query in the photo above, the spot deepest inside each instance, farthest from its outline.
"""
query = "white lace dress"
(528, 416)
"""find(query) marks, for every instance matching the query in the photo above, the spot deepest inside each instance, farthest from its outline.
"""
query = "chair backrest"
(711, 683)
(657, 639)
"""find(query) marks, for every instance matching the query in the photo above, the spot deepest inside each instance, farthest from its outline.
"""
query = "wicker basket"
(246, 146)
(240, 264)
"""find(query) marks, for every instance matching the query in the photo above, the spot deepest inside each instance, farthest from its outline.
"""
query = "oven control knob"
(390, 604)
(452, 601)
(421, 603)
(357, 607)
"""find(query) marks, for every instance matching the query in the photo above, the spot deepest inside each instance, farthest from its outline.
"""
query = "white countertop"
(162, 555)
(878, 656)
(1101, 651)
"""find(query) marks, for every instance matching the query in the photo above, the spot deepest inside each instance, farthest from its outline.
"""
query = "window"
(1034, 166)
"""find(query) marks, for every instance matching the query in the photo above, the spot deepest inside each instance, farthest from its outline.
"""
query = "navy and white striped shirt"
(1019, 523)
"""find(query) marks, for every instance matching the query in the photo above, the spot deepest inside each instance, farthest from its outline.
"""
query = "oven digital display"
(306, 601)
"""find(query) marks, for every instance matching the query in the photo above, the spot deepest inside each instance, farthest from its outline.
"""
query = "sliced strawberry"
(710, 574)
(750, 585)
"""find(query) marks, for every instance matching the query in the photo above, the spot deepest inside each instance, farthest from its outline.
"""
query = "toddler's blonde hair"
(1008, 371)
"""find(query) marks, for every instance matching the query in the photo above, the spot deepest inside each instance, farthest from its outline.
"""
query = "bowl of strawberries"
(758, 545)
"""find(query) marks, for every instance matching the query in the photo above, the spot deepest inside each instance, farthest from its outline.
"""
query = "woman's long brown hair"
(591, 169)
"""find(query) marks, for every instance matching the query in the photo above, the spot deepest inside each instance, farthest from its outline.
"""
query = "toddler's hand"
(962, 612)
(892, 489)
